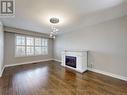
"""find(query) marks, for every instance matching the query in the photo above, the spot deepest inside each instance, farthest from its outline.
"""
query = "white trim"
(1, 73)
(27, 62)
(22, 64)
(108, 74)
(57, 60)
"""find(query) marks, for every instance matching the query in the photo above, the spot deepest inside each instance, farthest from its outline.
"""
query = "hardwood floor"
(49, 78)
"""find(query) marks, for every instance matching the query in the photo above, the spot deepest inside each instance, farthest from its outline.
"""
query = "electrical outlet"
(90, 65)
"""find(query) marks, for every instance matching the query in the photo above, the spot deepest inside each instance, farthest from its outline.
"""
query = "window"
(20, 45)
(44, 45)
(38, 46)
(30, 46)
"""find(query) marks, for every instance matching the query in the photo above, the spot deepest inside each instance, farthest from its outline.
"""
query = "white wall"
(1, 47)
(106, 42)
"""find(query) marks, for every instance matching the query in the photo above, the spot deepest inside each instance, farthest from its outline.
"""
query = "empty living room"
(63, 47)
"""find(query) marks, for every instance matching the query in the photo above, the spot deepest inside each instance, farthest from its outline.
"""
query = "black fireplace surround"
(70, 61)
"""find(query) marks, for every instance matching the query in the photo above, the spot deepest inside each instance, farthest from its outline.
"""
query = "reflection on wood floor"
(49, 78)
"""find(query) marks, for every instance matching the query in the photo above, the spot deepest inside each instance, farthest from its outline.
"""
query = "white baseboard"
(57, 60)
(31, 62)
(10, 65)
(1, 73)
(108, 74)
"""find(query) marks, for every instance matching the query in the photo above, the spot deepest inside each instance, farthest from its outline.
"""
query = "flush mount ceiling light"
(54, 21)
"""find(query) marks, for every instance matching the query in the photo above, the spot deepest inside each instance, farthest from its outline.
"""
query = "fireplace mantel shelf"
(75, 51)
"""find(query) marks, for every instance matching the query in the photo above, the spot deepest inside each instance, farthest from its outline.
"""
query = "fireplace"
(76, 60)
(70, 61)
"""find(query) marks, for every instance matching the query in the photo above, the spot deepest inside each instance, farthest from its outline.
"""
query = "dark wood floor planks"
(49, 78)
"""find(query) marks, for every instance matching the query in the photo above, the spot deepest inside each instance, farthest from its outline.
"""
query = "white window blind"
(30, 46)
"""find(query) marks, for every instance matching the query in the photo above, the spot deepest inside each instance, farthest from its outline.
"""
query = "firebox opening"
(70, 61)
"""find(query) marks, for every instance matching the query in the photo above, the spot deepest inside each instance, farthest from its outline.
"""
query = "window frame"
(38, 46)
(34, 54)
(44, 46)
(15, 54)
(28, 45)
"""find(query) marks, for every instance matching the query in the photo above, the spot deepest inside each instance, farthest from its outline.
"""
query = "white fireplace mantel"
(81, 60)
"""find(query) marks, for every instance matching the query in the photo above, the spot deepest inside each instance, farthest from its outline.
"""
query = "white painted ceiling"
(34, 14)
